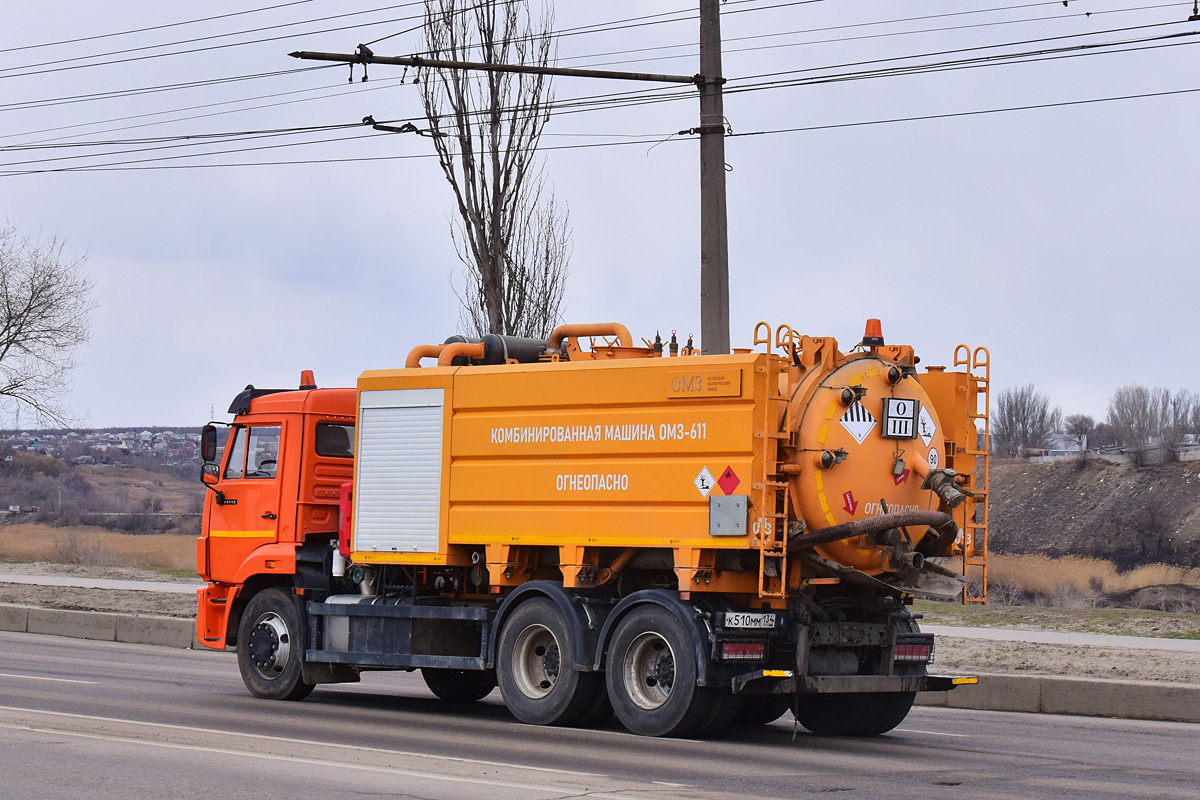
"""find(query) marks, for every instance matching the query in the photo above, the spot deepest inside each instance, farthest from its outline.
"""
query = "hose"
(941, 522)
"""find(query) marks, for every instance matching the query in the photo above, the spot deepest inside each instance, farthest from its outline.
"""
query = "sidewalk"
(1064, 637)
(99, 583)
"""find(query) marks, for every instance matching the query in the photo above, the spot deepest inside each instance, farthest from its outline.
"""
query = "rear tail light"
(913, 647)
(914, 652)
(743, 651)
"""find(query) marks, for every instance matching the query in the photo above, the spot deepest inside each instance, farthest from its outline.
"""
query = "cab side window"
(263, 452)
(254, 453)
(236, 467)
(335, 439)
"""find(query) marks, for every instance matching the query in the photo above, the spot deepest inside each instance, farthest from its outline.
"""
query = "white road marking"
(560, 731)
(668, 783)
(934, 733)
(316, 762)
(324, 744)
(44, 678)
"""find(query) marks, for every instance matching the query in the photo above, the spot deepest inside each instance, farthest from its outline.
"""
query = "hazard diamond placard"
(858, 421)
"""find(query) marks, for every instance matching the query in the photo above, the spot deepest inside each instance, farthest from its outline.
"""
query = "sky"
(1060, 237)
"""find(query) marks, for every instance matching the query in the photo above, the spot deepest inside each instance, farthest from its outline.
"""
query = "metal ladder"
(974, 524)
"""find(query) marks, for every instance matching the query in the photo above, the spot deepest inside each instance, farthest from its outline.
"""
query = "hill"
(1130, 516)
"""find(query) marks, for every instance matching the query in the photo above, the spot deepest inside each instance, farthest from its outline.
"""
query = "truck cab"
(271, 512)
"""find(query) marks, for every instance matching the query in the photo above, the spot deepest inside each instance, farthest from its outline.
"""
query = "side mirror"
(208, 444)
(210, 473)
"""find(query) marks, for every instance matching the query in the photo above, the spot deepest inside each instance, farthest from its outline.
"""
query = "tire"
(834, 714)
(725, 708)
(599, 709)
(534, 667)
(651, 674)
(271, 647)
(459, 685)
(888, 711)
(763, 709)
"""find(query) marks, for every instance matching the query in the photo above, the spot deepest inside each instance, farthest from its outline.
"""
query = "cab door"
(245, 515)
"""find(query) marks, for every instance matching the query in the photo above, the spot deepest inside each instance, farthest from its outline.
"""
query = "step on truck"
(602, 527)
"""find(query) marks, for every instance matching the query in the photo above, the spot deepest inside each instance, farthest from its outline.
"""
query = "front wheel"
(651, 672)
(271, 646)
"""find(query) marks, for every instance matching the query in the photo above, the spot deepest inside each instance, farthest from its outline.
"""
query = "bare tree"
(510, 233)
(1023, 420)
(1078, 427)
(1143, 416)
(44, 307)
(1129, 415)
(1156, 416)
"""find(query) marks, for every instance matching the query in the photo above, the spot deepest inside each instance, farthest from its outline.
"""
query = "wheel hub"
(269, 646)
(537, 661)
(649, 670)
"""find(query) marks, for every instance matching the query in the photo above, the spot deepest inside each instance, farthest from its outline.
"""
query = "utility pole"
(714, 225)
(714, 236)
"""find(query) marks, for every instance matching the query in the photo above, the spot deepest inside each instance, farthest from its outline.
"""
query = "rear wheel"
(725, 708)
(271, 646)
(763, 709)
(833, 714)
(888, 711)
(459, 685)
(599, 709)
(535, 667)
(651, 673)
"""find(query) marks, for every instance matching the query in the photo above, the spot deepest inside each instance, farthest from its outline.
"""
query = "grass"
(1116, 621)
(175, 555)
(1043, 575)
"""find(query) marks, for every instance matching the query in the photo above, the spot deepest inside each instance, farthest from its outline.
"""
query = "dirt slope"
(141, 487)
(1117, 512)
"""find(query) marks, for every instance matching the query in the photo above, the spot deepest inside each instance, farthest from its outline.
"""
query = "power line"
(57, 65)
(152, 27)
(1076, 51)
(975, 113)
(692, 47)
(119, 93)
(140, 164)
(385, 83)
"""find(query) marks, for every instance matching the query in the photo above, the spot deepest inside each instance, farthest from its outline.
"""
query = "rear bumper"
(784, 682)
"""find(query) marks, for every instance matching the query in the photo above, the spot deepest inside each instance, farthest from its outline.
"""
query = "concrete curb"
(1172, 702)
(101, 626)
(1088, 697)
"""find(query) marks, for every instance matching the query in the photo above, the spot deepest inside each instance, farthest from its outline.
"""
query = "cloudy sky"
(1059, 236)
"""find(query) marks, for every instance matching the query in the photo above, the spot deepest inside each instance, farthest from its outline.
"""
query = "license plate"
(739, 619)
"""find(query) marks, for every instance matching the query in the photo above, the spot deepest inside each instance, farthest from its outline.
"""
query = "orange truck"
(601, 527)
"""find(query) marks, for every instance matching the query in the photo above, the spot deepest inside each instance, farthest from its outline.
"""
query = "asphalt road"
(84, 719)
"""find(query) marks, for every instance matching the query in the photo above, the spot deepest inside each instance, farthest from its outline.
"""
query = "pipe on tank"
(452, 351)
(941, 482)
(591, 329)
(941, 522)
(422, 351)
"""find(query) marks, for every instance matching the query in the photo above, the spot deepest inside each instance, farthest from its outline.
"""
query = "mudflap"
(212, 613)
